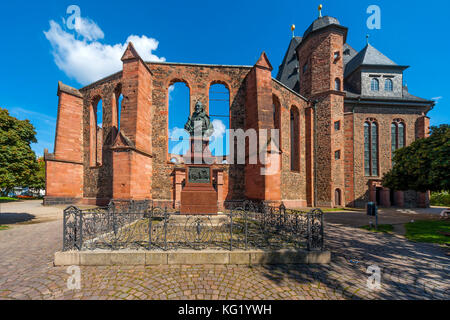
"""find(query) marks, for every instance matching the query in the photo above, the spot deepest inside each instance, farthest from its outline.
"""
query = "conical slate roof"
(369, 56)
(321, 23)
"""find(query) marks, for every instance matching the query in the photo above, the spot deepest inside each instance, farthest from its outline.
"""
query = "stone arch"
(338, 197)
(276, 105)
(219, 105)
(116, 106)
(178, 111)
(95, 132)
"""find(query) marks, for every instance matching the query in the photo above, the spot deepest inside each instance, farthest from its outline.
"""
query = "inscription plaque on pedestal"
(199, 175)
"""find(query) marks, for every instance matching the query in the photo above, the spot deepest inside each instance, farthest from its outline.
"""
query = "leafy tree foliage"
(18, 165)
(38, 180)
(424, 165)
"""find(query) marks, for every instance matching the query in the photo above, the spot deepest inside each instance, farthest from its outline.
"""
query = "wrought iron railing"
(141, 225)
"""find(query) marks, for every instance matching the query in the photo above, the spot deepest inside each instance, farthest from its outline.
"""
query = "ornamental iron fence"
(141, 225)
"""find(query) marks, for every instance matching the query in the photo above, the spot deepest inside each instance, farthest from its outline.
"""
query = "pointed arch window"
(96, 132)
(371, 148)
(277, 118)
(397, 135)
(294, 139)
(375, 84)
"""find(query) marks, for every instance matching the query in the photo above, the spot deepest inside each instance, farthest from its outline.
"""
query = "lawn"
(7, 199)
(429, 231)
(338, 209)
(3, 227)
(385, 228)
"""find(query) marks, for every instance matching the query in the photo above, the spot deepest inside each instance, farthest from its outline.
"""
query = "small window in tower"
(337, 84)
(305, 67)
(336, 55)
(337, 125)
(337, 155)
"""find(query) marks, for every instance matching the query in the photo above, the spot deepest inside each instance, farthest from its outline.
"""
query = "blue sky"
(232, 32)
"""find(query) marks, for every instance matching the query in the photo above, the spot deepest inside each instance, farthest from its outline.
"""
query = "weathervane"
(320, 10)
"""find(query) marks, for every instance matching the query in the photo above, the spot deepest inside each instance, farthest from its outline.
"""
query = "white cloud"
(436, 99)
(88, 29)
(88, 60)
(219, 129)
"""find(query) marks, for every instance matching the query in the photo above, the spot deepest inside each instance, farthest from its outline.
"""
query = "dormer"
(372, 74)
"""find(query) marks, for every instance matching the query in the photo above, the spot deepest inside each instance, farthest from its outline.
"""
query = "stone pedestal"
(198, 195)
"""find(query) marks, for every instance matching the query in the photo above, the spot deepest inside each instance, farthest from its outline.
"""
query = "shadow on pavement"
(13, 218)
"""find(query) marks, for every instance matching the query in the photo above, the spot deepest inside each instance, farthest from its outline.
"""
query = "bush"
(441, 199)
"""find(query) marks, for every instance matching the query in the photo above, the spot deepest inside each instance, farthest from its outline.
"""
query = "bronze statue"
(199, 117)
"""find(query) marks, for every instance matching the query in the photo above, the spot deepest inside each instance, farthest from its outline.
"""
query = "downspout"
(314, 103)
(354, 173)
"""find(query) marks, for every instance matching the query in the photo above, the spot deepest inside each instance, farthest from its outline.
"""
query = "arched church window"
(397, 136)
(371, 147)
(295, 139)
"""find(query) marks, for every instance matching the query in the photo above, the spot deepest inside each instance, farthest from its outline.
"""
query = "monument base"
(199, 197)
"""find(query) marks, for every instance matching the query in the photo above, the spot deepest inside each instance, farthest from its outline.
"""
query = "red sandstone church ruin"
(341, 115)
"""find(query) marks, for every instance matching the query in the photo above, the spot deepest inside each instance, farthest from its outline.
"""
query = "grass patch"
(8, 199)
(3, 227)
(336, 209)
(440, 199)
(429, 231)
(383, 228)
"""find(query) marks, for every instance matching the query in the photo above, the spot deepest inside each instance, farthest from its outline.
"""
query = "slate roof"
(288, 73)
(348, 53)
(321, 23)
(369, 56)
(406, 97)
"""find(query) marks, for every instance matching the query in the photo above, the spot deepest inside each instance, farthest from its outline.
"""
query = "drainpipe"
(314, 103)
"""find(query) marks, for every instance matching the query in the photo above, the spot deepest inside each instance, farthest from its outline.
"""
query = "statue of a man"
(199, 122)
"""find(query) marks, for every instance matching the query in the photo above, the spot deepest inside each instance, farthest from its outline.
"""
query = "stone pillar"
(399, 198)
(385, 197)
(259, 185)
(64, 167)
(219, 181)
(179, 176)
(309, 155)
(132, 158)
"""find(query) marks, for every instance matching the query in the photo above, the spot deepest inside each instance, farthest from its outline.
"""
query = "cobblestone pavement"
(408, 271)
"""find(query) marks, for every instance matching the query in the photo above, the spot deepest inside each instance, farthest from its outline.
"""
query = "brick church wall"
(384, 117)
(293, 186)
(98, 179)
(198, 78)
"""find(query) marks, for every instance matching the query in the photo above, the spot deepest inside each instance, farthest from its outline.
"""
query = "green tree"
(37, 182)
(18, 163)
(424, 165)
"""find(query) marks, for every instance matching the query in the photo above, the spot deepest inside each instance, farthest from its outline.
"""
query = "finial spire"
(320, 10)
(367, 38)
(293, 29)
